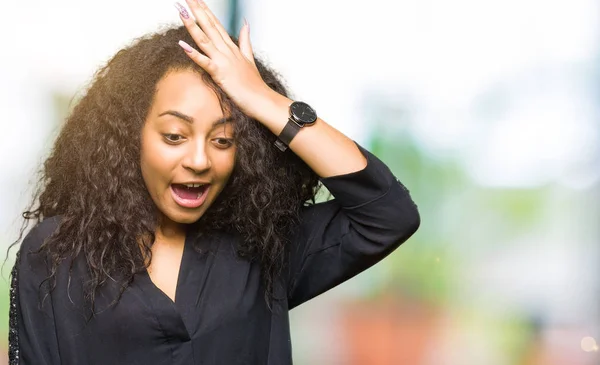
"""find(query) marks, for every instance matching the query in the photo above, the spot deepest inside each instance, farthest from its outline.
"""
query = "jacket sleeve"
(32, 334)
(371, 215)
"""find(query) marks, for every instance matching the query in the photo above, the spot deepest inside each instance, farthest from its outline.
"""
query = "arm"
(371, 215)
(32, 334)
(13, 321)
(327, 151)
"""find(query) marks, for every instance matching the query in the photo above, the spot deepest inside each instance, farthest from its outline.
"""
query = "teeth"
(193, 185)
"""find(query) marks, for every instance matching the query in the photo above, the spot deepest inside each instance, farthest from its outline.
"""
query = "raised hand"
(231, 67)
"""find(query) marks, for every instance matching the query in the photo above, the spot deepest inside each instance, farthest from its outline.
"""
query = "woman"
(171, 229)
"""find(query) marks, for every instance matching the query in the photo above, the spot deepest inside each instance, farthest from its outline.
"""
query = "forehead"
(186, 92)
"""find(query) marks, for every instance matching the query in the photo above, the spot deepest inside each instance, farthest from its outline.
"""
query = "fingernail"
(182, 11)
(186, 47)
(247, 24)
(201, 3)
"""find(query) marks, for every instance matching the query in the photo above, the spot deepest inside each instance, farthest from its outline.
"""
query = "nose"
(197, 159)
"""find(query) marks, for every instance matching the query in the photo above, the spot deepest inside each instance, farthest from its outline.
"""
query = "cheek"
(225, 163)
(155, 162)
(231, 162)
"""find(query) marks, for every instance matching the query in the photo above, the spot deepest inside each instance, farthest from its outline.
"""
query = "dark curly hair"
(92, 177)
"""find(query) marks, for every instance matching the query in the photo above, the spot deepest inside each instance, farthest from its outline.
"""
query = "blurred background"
(486, 110)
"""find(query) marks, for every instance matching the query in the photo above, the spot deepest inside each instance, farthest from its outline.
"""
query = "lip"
(189, 203)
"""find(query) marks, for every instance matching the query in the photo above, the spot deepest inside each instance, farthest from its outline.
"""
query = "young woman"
(176, 222)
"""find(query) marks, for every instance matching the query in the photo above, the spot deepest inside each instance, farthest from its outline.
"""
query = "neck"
(168, 229)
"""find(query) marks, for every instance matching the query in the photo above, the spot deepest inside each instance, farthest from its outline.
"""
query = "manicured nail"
(247, 24)
(186, 47)
(182, 11)
(201, 3)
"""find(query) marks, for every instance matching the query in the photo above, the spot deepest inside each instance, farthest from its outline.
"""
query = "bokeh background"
(487, 110)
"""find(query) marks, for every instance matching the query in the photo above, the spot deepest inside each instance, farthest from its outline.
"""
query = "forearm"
(325, 149)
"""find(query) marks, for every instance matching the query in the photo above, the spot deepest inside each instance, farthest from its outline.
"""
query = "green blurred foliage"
(423, 267)
(4, 306)
(460, 220)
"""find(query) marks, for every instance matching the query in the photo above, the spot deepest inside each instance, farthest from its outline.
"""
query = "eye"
(223, 143)
(173, 138)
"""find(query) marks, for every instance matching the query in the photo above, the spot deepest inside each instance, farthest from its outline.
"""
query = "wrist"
(272, 110)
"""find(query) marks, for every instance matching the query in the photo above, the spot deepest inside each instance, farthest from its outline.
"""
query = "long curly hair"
(92, 177)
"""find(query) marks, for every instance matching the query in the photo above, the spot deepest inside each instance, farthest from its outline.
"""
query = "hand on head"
(231, 67)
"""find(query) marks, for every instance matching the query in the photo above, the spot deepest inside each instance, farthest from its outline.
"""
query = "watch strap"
(287, 134)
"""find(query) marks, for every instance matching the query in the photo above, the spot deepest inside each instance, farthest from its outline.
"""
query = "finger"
(197, 57)
(206, 25)
(217, 24)
(199, 37)
(245, 44)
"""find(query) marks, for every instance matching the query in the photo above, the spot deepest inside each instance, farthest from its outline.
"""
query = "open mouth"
(188, 196)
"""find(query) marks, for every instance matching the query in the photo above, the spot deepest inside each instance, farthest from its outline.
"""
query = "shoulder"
(316, 213)
(31, 264)
(316, 209)
(38, 234)
(315, 218)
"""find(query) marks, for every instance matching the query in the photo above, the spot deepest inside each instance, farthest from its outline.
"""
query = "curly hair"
(92, 177)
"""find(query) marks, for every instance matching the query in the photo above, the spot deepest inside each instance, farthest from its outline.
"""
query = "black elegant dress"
(219, 315)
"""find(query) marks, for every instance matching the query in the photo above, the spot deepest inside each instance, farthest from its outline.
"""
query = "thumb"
(244, 42)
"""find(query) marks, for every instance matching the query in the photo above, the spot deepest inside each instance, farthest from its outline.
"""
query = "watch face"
(303, 113)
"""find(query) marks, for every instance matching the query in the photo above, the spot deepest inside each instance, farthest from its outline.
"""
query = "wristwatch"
(301, 114)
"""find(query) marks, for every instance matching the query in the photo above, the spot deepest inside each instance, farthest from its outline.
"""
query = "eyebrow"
(190, 120)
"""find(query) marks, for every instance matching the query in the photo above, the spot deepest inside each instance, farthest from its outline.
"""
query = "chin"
(186, 218)
(179, 217)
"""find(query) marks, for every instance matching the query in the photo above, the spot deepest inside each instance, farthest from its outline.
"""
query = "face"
(187, 152)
